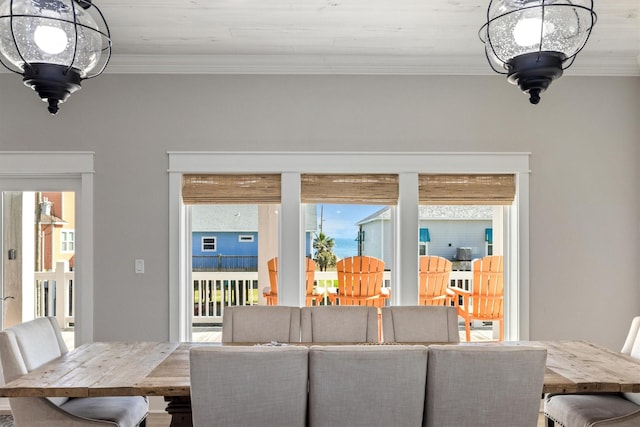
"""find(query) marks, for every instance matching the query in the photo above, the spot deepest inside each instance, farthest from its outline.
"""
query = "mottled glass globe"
(47, 34)
(517, 27)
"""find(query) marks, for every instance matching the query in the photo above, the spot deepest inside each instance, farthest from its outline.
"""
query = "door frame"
(62, 171)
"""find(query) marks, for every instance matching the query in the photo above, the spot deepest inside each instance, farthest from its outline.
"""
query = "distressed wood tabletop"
(162, 369)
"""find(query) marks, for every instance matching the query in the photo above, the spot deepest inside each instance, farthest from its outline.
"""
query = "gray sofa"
(367, 385)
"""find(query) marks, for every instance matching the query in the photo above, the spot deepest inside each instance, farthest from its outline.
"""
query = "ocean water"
(345, 247)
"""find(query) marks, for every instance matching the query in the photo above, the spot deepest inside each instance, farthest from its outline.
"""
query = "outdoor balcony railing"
(212, 291)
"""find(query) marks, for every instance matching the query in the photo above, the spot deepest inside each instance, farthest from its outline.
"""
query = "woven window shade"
(373, 189)
(230, 189)
(466, 189)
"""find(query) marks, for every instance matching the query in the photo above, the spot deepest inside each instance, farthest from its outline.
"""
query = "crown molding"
(449, 65)
(585, 65)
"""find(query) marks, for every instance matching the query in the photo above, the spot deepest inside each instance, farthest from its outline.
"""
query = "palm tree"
(324, 255)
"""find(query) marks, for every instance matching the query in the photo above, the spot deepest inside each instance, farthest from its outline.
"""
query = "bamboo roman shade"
(230, 189)
(368, 189)
(439, 189)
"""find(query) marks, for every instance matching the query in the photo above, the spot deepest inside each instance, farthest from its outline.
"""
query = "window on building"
(245, 238)
(208, 244)
(423, 241)
(488, 238)
(67, 240)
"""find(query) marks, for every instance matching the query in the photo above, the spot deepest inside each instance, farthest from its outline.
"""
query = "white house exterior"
(449, 228)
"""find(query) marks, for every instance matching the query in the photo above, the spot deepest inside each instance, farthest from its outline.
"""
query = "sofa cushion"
(358, 385)
(591, 409)
(249, 385)
(123, 411)
(339, 324)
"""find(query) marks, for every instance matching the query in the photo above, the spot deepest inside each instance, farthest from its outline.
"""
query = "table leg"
(179, 407)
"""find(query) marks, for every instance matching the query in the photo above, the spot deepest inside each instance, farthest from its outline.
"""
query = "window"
(208, 244)
(67, 240)
(423, 241)
(488, 238)
(350, 206)
(228, 213)
(461, 168)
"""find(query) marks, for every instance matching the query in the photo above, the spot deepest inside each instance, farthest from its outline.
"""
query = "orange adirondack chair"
(311, 298)
(434, 281)
(486, 301)
(360, 281)
(271, 293)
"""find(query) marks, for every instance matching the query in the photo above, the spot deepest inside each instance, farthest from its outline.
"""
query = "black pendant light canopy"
(54, 45)
(533, 41)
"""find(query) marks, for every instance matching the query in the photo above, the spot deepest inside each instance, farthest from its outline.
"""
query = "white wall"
(584, 137)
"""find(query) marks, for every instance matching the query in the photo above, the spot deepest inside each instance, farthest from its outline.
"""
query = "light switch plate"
(139, 266)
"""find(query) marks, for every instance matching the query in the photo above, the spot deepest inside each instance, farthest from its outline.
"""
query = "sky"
(339, 222)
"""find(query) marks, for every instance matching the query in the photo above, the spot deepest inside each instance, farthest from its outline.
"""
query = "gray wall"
(584, 138)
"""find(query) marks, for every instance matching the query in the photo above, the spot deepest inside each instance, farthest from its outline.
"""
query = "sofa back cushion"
(367, 385)
(484, 385)
(249, 385)
(261, 324)
(339, 324)
(420, 323)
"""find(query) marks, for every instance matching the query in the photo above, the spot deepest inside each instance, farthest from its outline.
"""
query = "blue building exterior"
(225, 237)
(225, 251)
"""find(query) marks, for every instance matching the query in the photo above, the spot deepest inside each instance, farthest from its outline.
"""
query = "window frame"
(64, 243)
(408, 165)
(203, 243)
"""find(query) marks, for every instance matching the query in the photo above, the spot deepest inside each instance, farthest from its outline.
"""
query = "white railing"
(213, 291)
(461, 280)
(54, 294)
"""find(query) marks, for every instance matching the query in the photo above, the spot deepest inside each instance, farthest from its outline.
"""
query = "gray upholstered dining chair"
(586, 410)
(367, 386)
(249, 386)
(339, 324)
(261, 324)
(420, 323)
(480, 386)
(29, 345)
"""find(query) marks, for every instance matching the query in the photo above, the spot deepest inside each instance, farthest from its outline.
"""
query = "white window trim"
(404, 216)
(246, 238)
(215, 244)
(67, 231)
(62, 171)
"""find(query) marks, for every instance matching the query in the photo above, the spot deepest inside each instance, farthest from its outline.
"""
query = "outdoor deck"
(214, 334)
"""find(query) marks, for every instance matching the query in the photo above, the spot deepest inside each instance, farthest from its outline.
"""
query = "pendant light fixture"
(54, 45)
(533, 41)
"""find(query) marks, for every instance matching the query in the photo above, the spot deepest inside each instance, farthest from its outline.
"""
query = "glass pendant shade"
(543, 34)
(53, 42)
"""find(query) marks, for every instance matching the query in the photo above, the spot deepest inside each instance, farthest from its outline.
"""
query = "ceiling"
(336, 37)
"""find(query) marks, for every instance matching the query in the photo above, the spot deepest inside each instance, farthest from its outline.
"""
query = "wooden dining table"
(162, 369)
